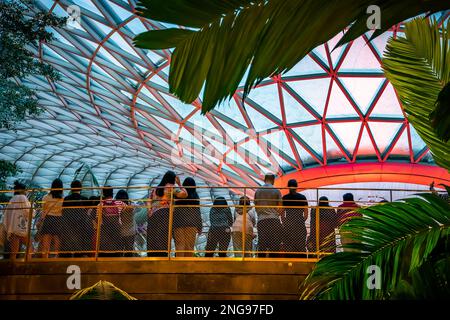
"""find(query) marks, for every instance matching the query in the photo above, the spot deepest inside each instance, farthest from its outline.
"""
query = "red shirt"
(347, 213)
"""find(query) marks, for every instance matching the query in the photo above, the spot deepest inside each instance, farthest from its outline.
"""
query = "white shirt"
(16, 216)
(249, 223)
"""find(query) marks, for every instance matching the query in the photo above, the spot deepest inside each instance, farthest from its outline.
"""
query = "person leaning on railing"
(219, 233)
(128, 225)
(345, 213)
(294, 228)
(76, 230)
(268, 204)
(187, 220)
(238, 227)
(52, 218)
(110, 223)
(15, 220)
(328, 222)
(158, 215)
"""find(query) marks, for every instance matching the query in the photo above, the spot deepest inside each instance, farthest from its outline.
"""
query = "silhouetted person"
(268, 207)
(294, 221)
(15, 221)
(110, 224)
(346, 213)
(128, 225)
(219, 233)
(347, 210)
(328, 222)
(187, 220)
(76, 230)
(158, 216)
(238, 227)
(52, 205)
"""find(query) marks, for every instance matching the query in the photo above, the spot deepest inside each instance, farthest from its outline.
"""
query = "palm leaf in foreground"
(220, 40)
(399, 238)
(418, 66)
(102, 290)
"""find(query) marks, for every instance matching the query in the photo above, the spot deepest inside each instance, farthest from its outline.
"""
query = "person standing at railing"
(268, 204)
(76, 230)
(110, 223)
(187, 220)
(158, 216)
(294, 221)
(328, 222)
(128, 227)
(345, 213)
(52, 218)
(238, 227)
(221, 220)
(15, 219)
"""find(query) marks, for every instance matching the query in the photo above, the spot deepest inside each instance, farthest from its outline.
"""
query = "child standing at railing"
(238, 227)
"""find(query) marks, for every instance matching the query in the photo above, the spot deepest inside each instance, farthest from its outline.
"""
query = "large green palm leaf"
(418, 66)
(220, 40)
(398, 237)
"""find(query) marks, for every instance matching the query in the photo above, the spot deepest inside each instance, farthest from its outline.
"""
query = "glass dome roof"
(112, 110)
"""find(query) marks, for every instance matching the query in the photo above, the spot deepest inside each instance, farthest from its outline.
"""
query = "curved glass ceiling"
(112, 110)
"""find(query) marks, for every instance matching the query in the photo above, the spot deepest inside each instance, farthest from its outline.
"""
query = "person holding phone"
(161, 199)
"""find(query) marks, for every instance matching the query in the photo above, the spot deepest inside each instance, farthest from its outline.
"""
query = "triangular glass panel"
(388, 105)
(306, 66)
(360, 58)
(334, 154)
(339, 106)
(401, 148)
(416, 140)
(234, 133)
(366, 149)
(294, 111)
(347, 133)
(312, 135)
(267, 97)
(362, 90)
(305, 156)
(260, 122)
(383, 133)
(231, 110)
(313, 92)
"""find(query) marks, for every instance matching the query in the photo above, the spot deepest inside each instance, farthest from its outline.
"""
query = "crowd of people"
(75, 226)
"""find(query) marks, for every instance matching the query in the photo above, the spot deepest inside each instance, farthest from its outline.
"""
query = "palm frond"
(440, 117)
(218, 41)
(102, 290)
(397, 237)
(418, 66)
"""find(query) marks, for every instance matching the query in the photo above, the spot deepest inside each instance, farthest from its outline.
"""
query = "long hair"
(220, 201)
(19, 187)
(189, 184)
(123, 196)
(169, 177)
(57, 184)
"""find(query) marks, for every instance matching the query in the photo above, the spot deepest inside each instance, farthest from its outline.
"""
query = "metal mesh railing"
(238, 226)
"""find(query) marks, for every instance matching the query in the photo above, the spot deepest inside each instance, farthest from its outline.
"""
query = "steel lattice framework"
(112, 109)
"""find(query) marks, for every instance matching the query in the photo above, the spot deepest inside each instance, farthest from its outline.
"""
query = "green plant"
(409, 240)
(102, 290)
(218, 41)
(22, 25)
(418, 66)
